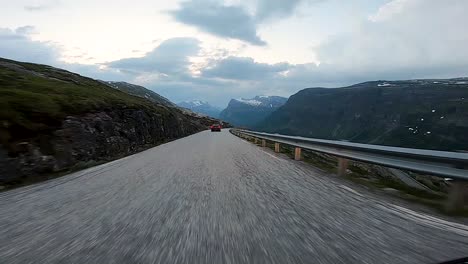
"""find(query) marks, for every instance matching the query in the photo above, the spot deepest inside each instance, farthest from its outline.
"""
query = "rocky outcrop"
(92, 138)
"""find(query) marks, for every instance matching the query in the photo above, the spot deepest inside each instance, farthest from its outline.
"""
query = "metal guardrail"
(438, 163)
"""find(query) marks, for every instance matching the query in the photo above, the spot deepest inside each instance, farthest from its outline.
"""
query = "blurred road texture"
(214, 198)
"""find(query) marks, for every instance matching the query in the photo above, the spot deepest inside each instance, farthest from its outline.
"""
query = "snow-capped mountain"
(248, 112)
(201, 107)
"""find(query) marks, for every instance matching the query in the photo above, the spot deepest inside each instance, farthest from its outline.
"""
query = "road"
(214, 198)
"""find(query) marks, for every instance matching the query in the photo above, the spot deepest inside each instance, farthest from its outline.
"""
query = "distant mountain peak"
(201, 107)
(249, 111)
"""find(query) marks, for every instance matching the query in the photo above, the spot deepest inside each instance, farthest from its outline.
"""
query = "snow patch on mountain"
(195, 103)
(262, 101)
(384, 84)
(249, 101)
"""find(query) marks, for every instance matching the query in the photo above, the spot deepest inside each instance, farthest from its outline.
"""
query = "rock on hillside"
(52, 120)
(430, 114)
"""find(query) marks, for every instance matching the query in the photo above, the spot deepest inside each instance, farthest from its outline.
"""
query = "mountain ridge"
(423, 113)
(140, 91)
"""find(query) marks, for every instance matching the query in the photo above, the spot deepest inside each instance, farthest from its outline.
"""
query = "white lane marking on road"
(427, 219)
(273, 156)
(350, 190)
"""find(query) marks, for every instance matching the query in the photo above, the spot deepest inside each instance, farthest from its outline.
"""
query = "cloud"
(403, 39)
(42, 6)
(35, 7)
(26, 30)
(170, 57)
(166, 70)
(243, 68)
(274, 9)
(179, 89)
(18, 46)
(233, 21)
(223, 21)
(410, 38)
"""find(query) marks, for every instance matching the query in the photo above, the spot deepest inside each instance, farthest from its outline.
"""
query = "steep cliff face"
(52, 120)
(431, 114)
(93, 137)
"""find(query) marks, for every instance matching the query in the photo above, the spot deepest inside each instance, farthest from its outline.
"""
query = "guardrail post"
(342, 166)
(263, 143)
(297, 153)
(277, 147)
(456, 196)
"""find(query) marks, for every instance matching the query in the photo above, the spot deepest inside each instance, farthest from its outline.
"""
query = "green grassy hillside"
(35, 97)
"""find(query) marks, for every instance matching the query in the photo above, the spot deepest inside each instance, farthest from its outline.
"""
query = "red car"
(215, 127)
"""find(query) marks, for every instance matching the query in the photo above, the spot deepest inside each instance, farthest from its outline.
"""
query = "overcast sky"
(217, 50)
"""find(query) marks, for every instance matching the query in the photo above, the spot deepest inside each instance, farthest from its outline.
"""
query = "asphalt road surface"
(214, 198)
